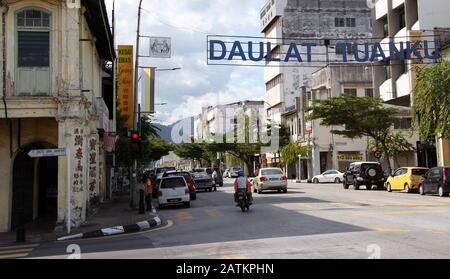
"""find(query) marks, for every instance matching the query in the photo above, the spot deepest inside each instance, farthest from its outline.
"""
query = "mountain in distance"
(165, 131)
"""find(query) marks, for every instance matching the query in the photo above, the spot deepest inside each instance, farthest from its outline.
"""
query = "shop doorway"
(35, 190)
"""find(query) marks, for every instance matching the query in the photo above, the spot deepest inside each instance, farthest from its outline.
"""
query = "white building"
(323, 22)
(222, 119)
(396, 21)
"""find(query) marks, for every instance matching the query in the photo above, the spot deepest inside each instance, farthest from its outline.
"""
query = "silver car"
(270, 179)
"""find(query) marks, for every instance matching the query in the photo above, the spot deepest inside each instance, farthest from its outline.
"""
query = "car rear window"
(173, 182)
(271, 172)
(419, 171)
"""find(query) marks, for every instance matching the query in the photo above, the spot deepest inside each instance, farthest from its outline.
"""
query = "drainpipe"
(5, 6)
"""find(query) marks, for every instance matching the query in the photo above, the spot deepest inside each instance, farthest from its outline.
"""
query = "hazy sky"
(188, 22)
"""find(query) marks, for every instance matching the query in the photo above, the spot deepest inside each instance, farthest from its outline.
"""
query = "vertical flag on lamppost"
(148, 90)
(125, 90)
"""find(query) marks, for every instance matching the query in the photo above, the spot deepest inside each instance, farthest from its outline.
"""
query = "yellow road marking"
(13, 256)
(400, 212)
(16, 251)
(19, 247)
(389, 230)
(184, 215)
(346, 205)
(436, 232)
(214, 213)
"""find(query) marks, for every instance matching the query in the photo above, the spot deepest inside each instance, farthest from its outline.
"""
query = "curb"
(145, 225)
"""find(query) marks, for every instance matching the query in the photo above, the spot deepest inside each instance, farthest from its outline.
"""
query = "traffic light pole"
(136, 117)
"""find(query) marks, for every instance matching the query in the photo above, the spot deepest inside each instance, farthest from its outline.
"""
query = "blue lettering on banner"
(260, 51)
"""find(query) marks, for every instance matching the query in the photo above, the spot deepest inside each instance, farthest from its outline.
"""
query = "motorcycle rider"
(243, 184)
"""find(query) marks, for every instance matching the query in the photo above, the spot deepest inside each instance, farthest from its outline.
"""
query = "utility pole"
(135, 111)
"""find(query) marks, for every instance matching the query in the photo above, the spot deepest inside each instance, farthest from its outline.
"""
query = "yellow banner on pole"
(126, 84)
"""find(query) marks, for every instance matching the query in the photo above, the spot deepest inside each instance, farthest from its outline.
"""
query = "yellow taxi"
(405, 179)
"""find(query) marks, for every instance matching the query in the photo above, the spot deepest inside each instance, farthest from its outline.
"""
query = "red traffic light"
(135, 136)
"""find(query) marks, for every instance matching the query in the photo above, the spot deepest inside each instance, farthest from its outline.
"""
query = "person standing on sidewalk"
(148, 184)
(214, 177)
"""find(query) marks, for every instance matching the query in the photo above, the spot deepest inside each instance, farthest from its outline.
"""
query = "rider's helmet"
(241, 174)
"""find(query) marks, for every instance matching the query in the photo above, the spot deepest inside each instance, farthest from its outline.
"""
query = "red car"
(190, 181)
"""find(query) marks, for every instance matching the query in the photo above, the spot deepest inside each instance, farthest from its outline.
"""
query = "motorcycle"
(242, 201)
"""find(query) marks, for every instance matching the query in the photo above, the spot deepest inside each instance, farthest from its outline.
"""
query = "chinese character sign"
(78, 179)
(126, 92)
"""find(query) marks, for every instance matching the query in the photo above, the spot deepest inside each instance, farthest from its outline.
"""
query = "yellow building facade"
(53, 55)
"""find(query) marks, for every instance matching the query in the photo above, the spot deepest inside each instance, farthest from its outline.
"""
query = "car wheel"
(259, 191)
(345, 184)
(442, 193)
(254, 189)
(389, 187)
(316, 181)
(421, 190)
(187, 205)
(355, 185)
(337, 180)
(407, 189)
(193, 197)
(285, 191)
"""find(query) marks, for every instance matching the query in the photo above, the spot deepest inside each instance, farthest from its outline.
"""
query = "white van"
(172, 191)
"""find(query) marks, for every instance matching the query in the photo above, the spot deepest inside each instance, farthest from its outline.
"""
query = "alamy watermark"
(231, 125)
(374, 251)
(74, 252)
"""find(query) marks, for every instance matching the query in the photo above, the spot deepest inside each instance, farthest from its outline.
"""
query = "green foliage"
(291, 152)
(395, 144)
(361, 116)
(432, 100)
(154, 150)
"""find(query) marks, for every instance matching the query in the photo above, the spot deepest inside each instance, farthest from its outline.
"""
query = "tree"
(357, 117)
(289, 153)
(192, 151)
(155, 149)
(395, 143)
(431, 97)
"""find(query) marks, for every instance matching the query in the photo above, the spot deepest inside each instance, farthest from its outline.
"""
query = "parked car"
(436, 181)
(270, 179)
(203, 181)
(234, 172)
(189, 179)
(364, 173)
(405, 179)
(329, 176)
(173, 191)
(161, 170)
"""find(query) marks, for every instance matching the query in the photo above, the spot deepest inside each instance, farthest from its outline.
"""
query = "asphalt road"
(310, 221)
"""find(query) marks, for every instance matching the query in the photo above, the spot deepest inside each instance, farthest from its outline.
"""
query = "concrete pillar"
(315, 160)
(6, 175)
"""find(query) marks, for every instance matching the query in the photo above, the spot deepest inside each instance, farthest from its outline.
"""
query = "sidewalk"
(110, 214)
